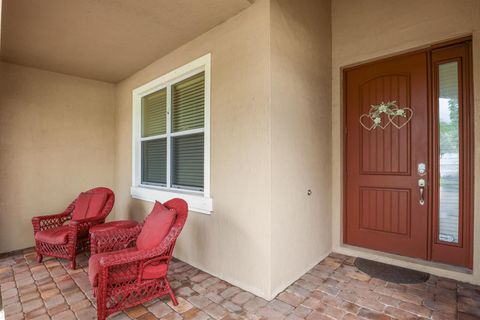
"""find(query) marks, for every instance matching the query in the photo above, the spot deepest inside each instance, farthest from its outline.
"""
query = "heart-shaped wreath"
(392, 114)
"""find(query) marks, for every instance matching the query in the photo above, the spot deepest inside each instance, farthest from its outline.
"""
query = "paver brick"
(183, 305)
(137, 311)
(159, 309)
(195, 314)
(199, 301)
(291, 298)
(216, 311)
(242, 298)
(32, 305)
(333, 289)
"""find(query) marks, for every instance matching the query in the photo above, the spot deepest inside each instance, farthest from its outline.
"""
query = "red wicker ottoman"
(107, 227)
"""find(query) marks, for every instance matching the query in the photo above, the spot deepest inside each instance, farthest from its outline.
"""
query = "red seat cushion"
(154, 272)
(94, 264)
(150, 272)
(156, 227)
(112, 225)
(89, 205)
(58, 235)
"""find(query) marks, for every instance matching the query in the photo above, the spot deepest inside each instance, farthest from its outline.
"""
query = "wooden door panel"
(382, 194)
(386, 210)
(384, 151)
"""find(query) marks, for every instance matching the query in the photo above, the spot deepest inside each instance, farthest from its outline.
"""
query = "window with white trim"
(171, 134)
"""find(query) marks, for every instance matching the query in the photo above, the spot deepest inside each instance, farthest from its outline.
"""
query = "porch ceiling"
(105, 40)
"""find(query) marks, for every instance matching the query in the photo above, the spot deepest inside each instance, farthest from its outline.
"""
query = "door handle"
(421, 185)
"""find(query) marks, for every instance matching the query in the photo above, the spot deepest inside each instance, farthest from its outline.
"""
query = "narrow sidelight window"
(449, 153)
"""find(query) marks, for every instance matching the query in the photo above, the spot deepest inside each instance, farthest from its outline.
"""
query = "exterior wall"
(300, 135)
(234, 241)
(56, 140)
(367, 29)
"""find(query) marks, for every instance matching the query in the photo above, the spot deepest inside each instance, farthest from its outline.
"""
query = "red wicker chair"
(124, 278)
(55, 238)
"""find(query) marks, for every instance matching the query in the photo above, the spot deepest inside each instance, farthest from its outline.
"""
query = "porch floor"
(333, 289)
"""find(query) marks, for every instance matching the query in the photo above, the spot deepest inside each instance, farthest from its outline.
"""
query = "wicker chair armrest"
(115, 240)
(136, 256)
(123, 258)
(82, 226)
(50, 221)
(87, 221)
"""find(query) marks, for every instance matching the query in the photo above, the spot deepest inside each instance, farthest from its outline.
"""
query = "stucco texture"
(300, 137)
(270, 127)
(234, 241)
(56, 140)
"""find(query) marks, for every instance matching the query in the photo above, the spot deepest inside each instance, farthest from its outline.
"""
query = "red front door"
(385, 208)
(409, 164)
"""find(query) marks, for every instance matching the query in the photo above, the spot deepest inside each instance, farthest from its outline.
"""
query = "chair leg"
(171, 293)
(101, 295)
(73, 264)
(101, 312)
(39, 258)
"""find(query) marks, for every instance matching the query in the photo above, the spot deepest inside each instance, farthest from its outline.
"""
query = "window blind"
(186, 149)
(188, 103)
(154, 161)
(187, 161)
(448, 79)
(154, 113)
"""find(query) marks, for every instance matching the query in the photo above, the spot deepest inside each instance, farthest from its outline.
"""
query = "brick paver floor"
(333, 289)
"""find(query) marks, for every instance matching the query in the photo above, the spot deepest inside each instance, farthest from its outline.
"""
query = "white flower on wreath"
(377, 120)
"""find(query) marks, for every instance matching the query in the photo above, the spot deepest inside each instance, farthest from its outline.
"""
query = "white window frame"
(198, 201)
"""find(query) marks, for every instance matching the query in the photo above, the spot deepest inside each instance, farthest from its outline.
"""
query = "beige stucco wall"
(367, 29)
(301, 135)
(56, 139)
(234, 241)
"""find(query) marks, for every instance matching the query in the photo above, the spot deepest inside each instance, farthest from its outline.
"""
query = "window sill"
(196, 202)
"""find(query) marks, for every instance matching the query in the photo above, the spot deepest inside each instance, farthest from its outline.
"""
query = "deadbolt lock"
(422, 169)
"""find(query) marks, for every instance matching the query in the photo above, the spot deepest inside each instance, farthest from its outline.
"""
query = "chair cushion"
(112, 225)
(58, 235)
(156, 271)
(156, 227)
(150, 272)
(94, 264)
(89, 205)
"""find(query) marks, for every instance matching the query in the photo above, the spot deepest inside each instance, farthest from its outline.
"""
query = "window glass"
(449, 199)
(154, 113)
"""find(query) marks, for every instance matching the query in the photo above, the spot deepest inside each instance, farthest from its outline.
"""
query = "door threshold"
(435, 268)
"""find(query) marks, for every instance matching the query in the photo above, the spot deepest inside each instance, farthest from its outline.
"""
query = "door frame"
(467, 150)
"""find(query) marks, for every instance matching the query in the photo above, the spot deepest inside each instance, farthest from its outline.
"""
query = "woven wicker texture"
(78, 230)
(120, 281)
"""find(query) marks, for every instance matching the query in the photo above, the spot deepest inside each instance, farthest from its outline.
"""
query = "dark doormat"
(390, 273)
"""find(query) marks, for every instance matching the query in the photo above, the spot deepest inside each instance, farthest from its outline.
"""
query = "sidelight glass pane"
(449, 198)
(154, 162)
